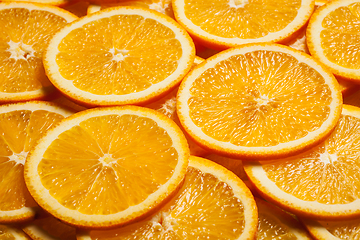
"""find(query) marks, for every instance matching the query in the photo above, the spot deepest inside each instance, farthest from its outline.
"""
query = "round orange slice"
(259, 101)
(213, 203)
(117, 56)
(21, 125)
(106, 167)
(26, 29)
(332, 37)
(221, 24)
(321, 183)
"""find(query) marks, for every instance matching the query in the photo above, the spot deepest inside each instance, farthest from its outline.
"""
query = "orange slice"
(213, 203)
(129, 159)
(321, 183)
(259, 101)
(21, 125)
(333, 230)
(221, 24)
(25, 32)
(161, 6)
(49, 228)
(122, 55)
(12, 233)
(332, 37)
(274, 223)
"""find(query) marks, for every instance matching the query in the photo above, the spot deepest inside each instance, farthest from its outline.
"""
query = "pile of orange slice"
(179, 119)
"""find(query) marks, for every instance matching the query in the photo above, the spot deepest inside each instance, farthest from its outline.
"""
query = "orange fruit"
(274, 223)
(25, 32)
(8, 232)
(321, 183)
(21, 125)
(259, 101)
(332, 37)
(135, 66)
(333, 230)
(213, 203)
(221, 24)
(162, 6)
(48, 2)
(49, 228)
(130, 159)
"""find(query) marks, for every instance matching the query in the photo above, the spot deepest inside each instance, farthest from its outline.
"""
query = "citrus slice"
(274, 223)
(332, 37)
(259, 101)
(213, 203)
(25, 32)
(21, 125)
(121, 55)
(12, 233)
(161, 6)
(321, 183)
(221, 24)
(333, 230)
(108, 166)
(49, 228)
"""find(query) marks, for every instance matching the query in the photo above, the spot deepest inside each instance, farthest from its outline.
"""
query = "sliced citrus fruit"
(332, 37)
(8, 232)
(323, 182)
(49, 228)
(105, 167)
(213, 203)
(21, 125)
(121, 55)
(25, 32)
(162, 6)
(259, 101)
(221, 24)
(333, 230)
(274, 223)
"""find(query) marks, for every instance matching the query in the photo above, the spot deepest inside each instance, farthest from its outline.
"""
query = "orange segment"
(138, 54)
(229, 23)
(107, 167)
(211, 204)
(26, 29)
(21, 125)
(323, 182)
(332, 37)
(259, 101)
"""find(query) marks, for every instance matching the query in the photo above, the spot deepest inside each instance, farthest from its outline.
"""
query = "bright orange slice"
(213, 203)
(122, 55)
(105, 167)
(220, 24)
(26, 29)
(21, 125)
(321, 183)
(333, 38)
(259, 101)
